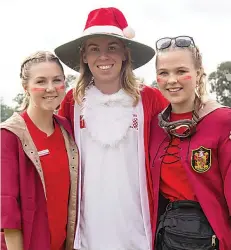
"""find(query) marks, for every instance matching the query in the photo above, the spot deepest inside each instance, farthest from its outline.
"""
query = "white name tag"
(44, 152)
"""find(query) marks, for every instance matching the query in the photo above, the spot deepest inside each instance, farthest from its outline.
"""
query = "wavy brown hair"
(130, 83)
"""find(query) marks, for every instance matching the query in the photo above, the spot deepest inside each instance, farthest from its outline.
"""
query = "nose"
(103, 54)
(172, 79)
(50, 87)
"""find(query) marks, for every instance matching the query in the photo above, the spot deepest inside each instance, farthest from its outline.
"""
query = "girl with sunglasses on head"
(190, 155)
(39, 162)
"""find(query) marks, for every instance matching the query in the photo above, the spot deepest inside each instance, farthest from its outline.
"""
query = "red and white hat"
(105, 22)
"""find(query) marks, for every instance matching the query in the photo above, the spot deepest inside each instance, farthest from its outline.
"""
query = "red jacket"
(153, 103)
(211, 184)
(23, 193)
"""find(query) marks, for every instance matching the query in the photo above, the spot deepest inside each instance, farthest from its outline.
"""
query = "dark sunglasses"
(179, 41)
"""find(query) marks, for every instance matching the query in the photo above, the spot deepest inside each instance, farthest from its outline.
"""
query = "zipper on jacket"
(214, 241)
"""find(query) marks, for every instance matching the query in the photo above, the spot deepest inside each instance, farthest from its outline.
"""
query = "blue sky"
(28, 26)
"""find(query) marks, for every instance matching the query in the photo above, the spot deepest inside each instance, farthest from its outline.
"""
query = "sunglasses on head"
(179, 41)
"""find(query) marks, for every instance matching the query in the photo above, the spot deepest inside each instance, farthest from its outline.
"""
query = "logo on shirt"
(201, 159)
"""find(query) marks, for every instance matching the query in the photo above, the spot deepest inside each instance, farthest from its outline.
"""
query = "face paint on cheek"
(185, 78)
(160, 80)
(60, 87)
(38, 89)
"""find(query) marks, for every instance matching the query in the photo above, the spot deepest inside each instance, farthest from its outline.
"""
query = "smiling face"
(177, 78)
(45, 86)
(104, 56)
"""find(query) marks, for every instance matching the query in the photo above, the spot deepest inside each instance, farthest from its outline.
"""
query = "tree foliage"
(220, 84)
(70, 80)
(6, 111)
(154, 84)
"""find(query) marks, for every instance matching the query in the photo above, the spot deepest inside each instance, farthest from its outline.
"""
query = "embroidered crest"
(201, 159)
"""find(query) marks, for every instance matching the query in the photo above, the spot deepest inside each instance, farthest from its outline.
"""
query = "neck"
(108, 87)
(43, 119)
(185, 107)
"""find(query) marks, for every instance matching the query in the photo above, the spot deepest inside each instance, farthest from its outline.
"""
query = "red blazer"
(22, 192)
(211, 184)
(153, 103)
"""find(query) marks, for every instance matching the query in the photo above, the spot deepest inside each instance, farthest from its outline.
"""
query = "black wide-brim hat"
(109, 22)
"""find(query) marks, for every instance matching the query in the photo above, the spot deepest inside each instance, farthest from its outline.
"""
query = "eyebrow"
(97, 45)
(42, 77)
(182, 67)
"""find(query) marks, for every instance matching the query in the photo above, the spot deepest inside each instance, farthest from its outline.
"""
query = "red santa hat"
(108, 20)
(105, 22)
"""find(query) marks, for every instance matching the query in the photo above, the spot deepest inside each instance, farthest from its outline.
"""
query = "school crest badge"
(201, 159)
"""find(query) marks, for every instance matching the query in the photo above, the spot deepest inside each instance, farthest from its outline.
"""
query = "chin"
(176, 100)
(49, 108)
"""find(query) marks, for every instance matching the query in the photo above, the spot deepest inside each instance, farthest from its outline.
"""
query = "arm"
(224, 158)
(10, 206)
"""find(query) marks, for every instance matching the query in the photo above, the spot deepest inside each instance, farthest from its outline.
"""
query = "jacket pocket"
(176, 240)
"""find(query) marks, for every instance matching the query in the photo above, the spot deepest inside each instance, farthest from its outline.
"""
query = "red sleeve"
(67, 107)
(224, 156)
(153, 100)
(10, 206)
(159, 102)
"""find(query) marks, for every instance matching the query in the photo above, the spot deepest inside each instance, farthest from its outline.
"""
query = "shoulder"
(221, 115)
(218, 121)
(68, 99)
(69, 96)
(153, 100)
(153, 95)
(13, 126)
(149, 91)
(66, 108)
(64, 122)
(9, 139)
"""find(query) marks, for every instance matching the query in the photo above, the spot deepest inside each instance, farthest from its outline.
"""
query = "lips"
(49, 97)
(173, 90)
(105, 67)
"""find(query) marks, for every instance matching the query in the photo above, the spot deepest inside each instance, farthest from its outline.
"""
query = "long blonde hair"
(200, 91)
(130, 83)
(35, 58)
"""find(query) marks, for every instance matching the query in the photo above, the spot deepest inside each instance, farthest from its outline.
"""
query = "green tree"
(18, 100)
(70, 80)
(6, 111)
(154, 84)
(220, 84)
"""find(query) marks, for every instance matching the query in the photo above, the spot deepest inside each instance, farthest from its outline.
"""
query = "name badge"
(44, 152)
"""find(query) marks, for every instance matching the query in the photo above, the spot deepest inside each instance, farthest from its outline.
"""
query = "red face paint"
(45, 88)
(60, 87)
(188, 77)
(38, 89)
(160, 80)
